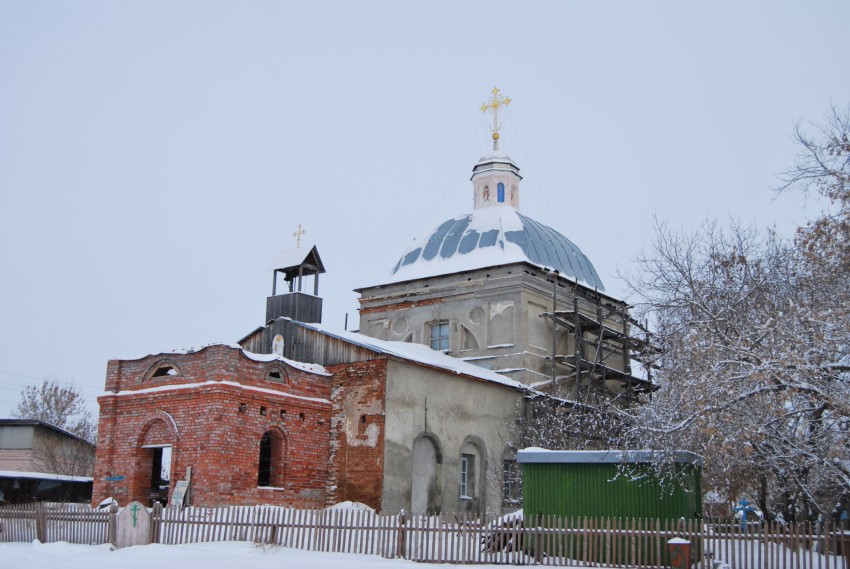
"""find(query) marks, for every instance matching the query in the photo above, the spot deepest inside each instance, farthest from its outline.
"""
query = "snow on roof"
(44, 476)
(489, 237)
(291, 257)
(419, 353)
(542, 455)
(495, 156)
(178, 386)
(36, 422)
(303, 366)
(308, 367)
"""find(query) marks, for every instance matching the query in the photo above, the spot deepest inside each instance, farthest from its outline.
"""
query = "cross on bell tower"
(298, 234)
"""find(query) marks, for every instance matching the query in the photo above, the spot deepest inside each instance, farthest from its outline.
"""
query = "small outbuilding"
(575, 485)
(43, 462)
(605, 483)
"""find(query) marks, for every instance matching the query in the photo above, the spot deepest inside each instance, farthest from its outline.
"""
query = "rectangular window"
(440, 336)
(467, 476)
(511, 483)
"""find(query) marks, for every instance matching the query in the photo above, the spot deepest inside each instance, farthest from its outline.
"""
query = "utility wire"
(531, 169)
(45, 378)
(440, 201)
(20, 375)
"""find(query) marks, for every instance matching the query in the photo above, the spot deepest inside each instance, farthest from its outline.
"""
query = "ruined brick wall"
(357, 432)
(213, 408)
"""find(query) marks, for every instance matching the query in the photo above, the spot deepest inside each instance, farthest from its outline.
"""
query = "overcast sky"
(156, 156)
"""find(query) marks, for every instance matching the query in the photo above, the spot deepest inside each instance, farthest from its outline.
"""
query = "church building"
(420, 410)
(497, 288)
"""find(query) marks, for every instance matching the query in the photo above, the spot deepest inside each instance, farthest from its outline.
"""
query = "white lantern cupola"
(495, 178)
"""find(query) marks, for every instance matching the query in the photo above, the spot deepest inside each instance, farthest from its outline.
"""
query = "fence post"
(538, 538)
(40, 522)
(112, 524)
(156, 519)
(400, 542)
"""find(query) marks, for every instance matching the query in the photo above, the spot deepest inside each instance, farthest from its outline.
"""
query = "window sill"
(272, 488)
(467, 498)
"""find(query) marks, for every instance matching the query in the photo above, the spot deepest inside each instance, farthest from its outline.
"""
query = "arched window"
(277, 374)
(426, 474)
(501, 193)
(163, 370)
(472, 474)
(265, 475)
(270, 465)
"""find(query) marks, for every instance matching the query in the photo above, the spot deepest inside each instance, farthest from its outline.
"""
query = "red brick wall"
(357, 435)
(216, 428)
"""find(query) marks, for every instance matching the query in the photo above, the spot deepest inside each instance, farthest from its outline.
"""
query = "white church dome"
(493, 236)
(495, 233)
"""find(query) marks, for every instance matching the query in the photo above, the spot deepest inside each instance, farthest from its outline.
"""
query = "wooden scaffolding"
(603, 346)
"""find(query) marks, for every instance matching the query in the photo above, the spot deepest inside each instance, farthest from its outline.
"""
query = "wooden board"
(179, 493)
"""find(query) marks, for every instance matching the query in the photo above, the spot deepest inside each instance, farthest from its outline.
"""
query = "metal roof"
(293, 258)
(490, 237)
(44, 424)
(535, 455)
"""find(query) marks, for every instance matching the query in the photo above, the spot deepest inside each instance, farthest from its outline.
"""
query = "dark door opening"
(264, 477)
(160, 475)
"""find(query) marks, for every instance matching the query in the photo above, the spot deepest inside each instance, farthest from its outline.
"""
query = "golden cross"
(494, 105)
(298, 235)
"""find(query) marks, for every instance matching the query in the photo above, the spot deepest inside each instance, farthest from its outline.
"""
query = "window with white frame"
(467, 476)
(511, 483)
(440, 336)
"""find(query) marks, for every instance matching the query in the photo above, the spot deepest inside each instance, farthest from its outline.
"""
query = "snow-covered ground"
(230, 554)
(218, 555)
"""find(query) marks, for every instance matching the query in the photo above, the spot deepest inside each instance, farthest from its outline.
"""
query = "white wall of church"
(433, 421)
(493, 317)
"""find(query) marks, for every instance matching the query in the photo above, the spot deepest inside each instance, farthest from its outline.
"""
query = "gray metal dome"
(490, 237)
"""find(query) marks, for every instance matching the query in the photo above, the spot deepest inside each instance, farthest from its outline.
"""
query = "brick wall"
(213, 408)
(357, 435)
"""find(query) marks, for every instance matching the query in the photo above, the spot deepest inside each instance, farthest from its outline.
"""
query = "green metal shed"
(609, 484)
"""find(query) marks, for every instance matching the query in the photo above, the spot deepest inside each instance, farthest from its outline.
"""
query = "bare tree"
(63, 407)
(59, 405)
(823, 167)
(753, 367)
(60, 454)
(753, 360)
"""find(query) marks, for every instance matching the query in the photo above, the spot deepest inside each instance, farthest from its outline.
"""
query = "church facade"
(421, 410)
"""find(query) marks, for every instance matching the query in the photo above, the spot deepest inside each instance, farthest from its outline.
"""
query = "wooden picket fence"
(456, 538)
(49, 522)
